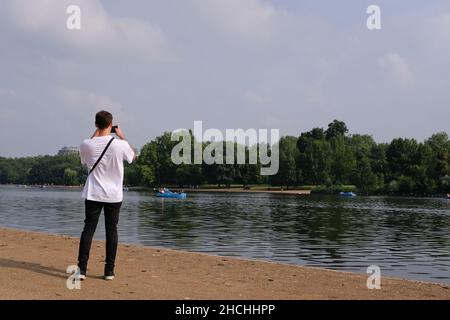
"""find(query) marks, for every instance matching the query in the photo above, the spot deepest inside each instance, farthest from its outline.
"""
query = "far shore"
(242, 190)
(33, 266)
(254, 189)
(188, 190)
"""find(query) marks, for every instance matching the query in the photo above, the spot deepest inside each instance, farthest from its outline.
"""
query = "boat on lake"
(167, 193)
(347, 194)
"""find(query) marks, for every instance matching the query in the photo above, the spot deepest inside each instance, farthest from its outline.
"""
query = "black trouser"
(93, 210)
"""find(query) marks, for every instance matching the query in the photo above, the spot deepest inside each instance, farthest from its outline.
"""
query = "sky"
(159, 65)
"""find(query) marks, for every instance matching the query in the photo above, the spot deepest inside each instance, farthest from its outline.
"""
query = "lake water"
(405, 237)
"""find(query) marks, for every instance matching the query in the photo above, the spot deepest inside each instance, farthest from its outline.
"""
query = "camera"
(113, 129)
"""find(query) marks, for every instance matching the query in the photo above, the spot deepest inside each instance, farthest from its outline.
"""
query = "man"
(103, 188)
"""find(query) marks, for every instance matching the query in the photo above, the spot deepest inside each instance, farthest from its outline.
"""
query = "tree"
(439, 166)
(287, 174)
(147, 163)
(400, 155)
(70, 177)
(321, 157)
(336, 129)
(189, 175)
(406, 185)
(51, 169)
(132, 175)
(378, 161)
(363, 177)
(409, 162)
(165, 168)
(313, 161)
(225, 174)
(147, 175)
(370, 165)
(445, 183)
(342, 160)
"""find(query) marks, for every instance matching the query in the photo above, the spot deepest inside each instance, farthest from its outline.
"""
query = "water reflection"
(405, 237)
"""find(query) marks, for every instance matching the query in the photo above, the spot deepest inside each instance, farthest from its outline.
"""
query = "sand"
(33, 266)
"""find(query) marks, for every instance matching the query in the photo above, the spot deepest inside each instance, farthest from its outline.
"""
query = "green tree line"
(330, 158)
(57, 170)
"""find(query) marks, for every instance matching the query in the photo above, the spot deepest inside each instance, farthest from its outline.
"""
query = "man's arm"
(82, 154)
(121, 136)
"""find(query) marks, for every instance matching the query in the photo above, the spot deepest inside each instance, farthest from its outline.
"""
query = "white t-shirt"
(105, 183)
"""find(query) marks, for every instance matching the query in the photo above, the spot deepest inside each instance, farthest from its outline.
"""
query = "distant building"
(68, 150)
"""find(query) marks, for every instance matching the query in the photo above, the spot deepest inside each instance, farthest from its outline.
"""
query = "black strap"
(101, 156)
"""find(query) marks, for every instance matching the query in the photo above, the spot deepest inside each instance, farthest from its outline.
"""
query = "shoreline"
(242, 190)
(33, 266)
(218, 190)
(267, 190)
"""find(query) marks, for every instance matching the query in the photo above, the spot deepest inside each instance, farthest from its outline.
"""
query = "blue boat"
(347, 194)
(166, 193)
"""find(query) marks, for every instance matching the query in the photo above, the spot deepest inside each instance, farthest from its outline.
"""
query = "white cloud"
(89, 103)
(7, 92)
(443, 24)
(254, 98)
(244, 18)
(271, 121)
(100, 32)
(315, 96)
(398, 66)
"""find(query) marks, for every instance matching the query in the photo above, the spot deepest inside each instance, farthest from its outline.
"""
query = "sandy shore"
(33, 266)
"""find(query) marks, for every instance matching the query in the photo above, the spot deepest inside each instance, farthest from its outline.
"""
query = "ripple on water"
(406, 237)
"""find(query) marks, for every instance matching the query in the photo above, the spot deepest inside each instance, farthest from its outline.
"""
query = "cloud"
(398, 66)
(315, 96)
(89, 103)
(100, 33)
(254, 98)
(7, 92)
(271, 121)
(244, 18)
(443, 24)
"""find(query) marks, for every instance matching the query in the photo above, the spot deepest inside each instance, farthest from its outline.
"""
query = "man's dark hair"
(103, 119)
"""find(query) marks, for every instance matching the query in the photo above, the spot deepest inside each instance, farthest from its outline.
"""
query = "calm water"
(406, 237)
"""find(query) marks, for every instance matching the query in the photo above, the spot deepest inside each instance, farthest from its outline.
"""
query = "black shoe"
(109, 275)
(81, 276)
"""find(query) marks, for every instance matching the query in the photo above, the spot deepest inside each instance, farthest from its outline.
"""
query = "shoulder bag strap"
(101, 156)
